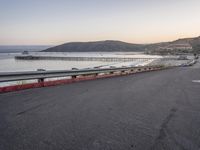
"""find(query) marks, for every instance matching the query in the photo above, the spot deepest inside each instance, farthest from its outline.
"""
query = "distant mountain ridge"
(186, 45)
(99, 46)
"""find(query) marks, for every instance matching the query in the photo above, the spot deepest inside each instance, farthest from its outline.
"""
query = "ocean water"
(21, 48)
(8, 63)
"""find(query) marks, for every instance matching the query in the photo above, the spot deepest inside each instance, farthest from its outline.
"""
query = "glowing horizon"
(53, 22)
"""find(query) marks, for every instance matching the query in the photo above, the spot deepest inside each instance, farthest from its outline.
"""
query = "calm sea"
(9, 64)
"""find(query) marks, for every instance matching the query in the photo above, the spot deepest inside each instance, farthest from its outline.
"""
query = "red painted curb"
(65, 81)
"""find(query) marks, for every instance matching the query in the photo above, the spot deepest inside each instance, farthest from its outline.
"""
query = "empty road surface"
(147, 111)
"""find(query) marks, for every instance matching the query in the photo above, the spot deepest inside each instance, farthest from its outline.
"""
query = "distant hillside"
(187, 45)
(100, 46)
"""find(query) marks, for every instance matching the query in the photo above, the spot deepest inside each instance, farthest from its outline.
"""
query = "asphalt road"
(147, 111)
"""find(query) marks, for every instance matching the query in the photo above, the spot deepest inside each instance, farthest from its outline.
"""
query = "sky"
(52, 22)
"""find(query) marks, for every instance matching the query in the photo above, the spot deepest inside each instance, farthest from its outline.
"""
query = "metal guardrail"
(41, 75)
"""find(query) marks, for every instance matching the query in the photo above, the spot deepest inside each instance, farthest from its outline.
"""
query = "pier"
(106, 59)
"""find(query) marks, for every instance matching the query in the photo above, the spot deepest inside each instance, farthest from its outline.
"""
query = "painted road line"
(196, 81)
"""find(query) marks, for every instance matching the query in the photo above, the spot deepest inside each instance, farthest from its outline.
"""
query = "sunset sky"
(51, 22)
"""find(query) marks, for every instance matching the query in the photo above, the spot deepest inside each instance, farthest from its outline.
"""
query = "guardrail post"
(73, 77)
(41, 80)
(123, 71)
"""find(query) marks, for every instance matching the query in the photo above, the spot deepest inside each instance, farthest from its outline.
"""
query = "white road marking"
(196, 81)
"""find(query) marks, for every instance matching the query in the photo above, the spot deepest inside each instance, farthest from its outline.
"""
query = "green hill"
(186, 45)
